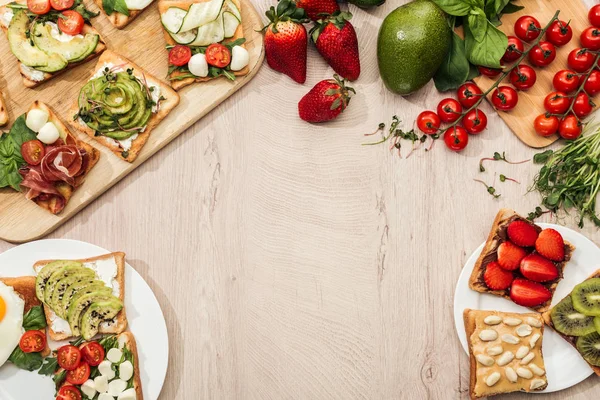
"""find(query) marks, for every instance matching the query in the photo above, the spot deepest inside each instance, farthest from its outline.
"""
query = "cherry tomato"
(61, 5)
(68, 392)
(490, 72)
(449, 110)
(39, 7)
(33, 342)
(583, 106)
(475, 121)
(542, 54)
(557, 103)
(33, 151)
(79, 375)
(527, 28)
(580, 60)
(514, 50)
(523, 77)
(559, 33)
(566, 81)
(428, 122)
(594, 15)
(68, 357)
(93, 353)
(180, 55)
(71, 22)
(218, 55)
(590, 38)
(546, 125)
(592, 84)
(505, 98)
(456, 138)
(569, 128)
(468, 94)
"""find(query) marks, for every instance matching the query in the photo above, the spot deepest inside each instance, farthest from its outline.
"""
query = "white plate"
(564, 365)
(145, 318)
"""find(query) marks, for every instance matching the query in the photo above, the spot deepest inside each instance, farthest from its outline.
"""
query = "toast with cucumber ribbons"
(121, 12)
(205, 39)
(41, 45)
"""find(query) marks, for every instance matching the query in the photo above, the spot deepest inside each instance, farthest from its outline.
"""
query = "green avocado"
(96, 313)
(82, 302)
(77, 49)
(74, 289)
(413, 41)
(366, 3)
(44, 275)
(56, 298)
(58, 275)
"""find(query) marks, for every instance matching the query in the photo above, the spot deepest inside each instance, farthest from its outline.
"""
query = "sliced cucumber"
(172, 19)
(137, 4)
(210, 33)
(230, 24)
(201, 14)
(184, 37)
(232, 8)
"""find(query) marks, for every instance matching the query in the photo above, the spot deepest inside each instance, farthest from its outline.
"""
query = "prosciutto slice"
(39, 188)
(63, 163)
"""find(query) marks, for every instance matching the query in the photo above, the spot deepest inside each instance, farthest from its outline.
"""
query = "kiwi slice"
(586, 297)
(597, 324)
(589, 347)
(569, 321)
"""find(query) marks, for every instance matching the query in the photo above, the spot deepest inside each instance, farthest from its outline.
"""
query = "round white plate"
(145, 318)
(564, 365)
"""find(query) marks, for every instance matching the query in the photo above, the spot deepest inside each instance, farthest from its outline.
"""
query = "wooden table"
(293, 263)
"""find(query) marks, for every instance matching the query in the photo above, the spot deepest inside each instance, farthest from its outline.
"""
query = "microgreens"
(498, 157)
(490, 189)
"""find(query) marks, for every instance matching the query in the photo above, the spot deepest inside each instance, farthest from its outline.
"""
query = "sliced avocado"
(76, 288)
(23, 48)
(75, 50)
(79, 305)
(96, 313)
(45, 273)
(56, 300)
(61, 273)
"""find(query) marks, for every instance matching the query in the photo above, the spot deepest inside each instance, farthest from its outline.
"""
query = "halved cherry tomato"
(456, 138)
(33, 151)
(491, 72)
(583, 105)
(71, 22)
(468, 94)
(79, 375)
(559, 33)
(592, 84)
(514, 49)
(543, 54)
(527, 28)
(475, 121)
(61, 5)
(546, 125)
(428, 122)
(68, 392)
(523, 77)
(39, 7)
(33, 342)
(218, 55)
(594, 15)
(449, 110)
(580, 60)
(93, 353)
(68, 357)
(505, 98)
(566, 81)
(180, 55)
(557, 103)
(590, 38)
(569, 128)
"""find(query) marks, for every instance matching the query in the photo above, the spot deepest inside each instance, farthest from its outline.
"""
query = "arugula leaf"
(10, 153)
(490, 50)
(34, 319)
(59, 379)
(112, 6)
(457, 8)
(27, 361)
(50, 366)
(454, 71)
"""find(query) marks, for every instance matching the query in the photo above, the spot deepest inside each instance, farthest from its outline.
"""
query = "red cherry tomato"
(546, 125)
(559, 33)
(566, 81)
(543, 54)
(569, 128)
(523, 77)
(32, 342)
(475, 121)
(93, 353)
(218, 55)
(580, 60)
(428, 122)
(514, 50)
(594, 16)
(505, 98)
(456, 138)
(592, 84)
(590, 38)
(61, 5)
(180, 55)
(583, 106)
(557, 103)
(468, 94)
(527, 28)
(71, 22)
(33, 151)
(39, 7)
(449, 110)
(490, 72)
(79, 375)
(68, 357)
(68, 392)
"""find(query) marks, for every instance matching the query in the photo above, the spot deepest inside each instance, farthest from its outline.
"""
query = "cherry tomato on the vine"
(557, 103)
(514, 49)
(428, 122)
(594, 15)
(475, 121)
(559, 33)
(449, 110)
(543, 54)
(456, 138)
(523, 77)
(590, 38)
(527, 28)
(569, 128)
(592, 84)
(468, 94)
(566, 81)
(580, 60)
(546, 125)
(505, 98)
(583, 106)
(490, 72)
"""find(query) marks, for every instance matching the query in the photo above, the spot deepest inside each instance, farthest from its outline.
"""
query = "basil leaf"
(478, 24)
(490, 50)
(494, 7)
(112, 6)
(473, 72)
(10, 153)
(455, 69)
(50, 366)
(27, 361)
(455, 7)
(511, 8)
(34, 319)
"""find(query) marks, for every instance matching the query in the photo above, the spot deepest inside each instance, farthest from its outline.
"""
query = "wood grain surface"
(293, 263)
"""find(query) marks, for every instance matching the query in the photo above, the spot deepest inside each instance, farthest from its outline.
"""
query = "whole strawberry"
(325, 101)
(316, 8)
(286, 40)
(335, 38)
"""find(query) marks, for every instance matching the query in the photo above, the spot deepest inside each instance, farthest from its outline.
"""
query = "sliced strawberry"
(522, 233)
(497, 278)
(529, 294)
(538, 268)
(551, 245)
(510, 255)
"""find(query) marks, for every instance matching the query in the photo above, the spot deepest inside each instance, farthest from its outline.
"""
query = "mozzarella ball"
(198, 65)
(114, 355)
(129, 394)
(48, 134)
(36, 119)
(126, 370)
(105, 396)
(106, 370)
(239, 58)
(101, 384)
(117, 387)
(89, 388)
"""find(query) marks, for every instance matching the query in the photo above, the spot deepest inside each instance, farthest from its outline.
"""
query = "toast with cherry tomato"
(49, 37)
(3, 111)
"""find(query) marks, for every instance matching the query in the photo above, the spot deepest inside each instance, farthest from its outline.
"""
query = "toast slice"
(127, 339)
(171, 99)
(497, 235)
(3, 111)
(119, 20)
(32, 77)
(480, 350)
(120, 322)
(571, 339)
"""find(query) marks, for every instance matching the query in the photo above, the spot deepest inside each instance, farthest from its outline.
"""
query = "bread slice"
(3, 111)
(119, 20)
(474, 322)
(178, 83)
(120, 320)
(171, 100)
(128, 340)
(498, 235)
(571, 339)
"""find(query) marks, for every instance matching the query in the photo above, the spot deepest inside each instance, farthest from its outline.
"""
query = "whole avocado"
(366, 3)
(413, 41)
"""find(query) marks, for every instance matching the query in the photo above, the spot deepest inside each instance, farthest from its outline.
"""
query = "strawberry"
(538, 268)
(316, 8)
(510, 255)
(522, 233)
(497, 278)
(286, 40)
(529, 294)
(325, 101)
(335, 39)
(551, 245)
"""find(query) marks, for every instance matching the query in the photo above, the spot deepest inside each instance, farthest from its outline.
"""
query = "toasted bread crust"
(119, 20)
(3, 111)
(137, 377)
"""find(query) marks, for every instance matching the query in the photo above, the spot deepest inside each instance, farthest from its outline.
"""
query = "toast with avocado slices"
(43, 50)
(121, 12)
(83, 297)
(121, 104)
(3, 111)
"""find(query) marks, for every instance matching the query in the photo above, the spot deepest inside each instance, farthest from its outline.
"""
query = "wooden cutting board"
(531, 103)
(142, 42)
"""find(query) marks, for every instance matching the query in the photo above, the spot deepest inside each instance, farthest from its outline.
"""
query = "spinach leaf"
(478, 24)
(50, 366)
(458, 8)
(112, 6)
(454, 71)
(490, 50)
(27, 361)
(10, 153)
(34, 319)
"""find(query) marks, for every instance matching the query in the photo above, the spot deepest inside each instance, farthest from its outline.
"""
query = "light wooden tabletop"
(293, 263)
